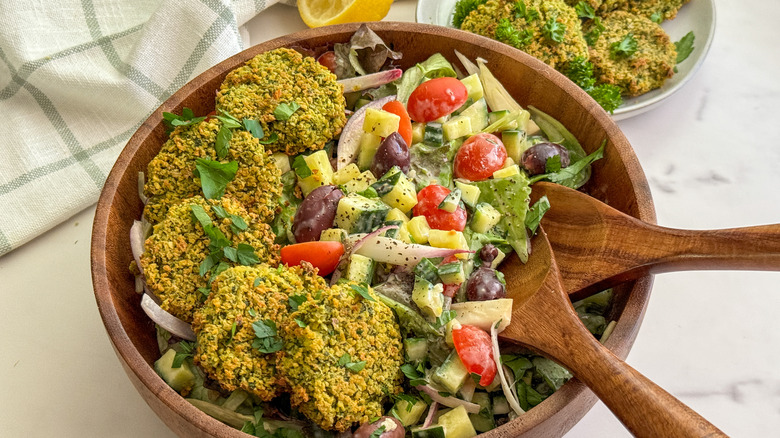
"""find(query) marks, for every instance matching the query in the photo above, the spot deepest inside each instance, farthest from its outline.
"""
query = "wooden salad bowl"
(617, 179)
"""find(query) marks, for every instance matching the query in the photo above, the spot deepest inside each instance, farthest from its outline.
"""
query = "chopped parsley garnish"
(409, 399)
(238, 223)
(273, 138)
(554, 30)
(580, 71)
(595, 32)
(296, 300)
(186, 351)
(242, 254)
(462, 9)
(266, 340)
(535, 214)
(553, 164)
(215, 176)
(284, 110)
(225, 133)
(362, 290)
(300, 167)
(300, 323)
(585, 10)
(254, 128)
(346, 362)
(252, 313)
(508, 34)
(415, 376)
(684, 47)
(521, 11)
(187, 118)
(657, 17)
(369, 193)
(625, 47)
(205, 291)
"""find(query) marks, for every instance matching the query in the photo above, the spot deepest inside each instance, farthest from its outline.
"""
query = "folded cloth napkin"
(77, 78)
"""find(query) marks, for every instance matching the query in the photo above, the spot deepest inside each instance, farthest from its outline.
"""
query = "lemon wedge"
(316, 13)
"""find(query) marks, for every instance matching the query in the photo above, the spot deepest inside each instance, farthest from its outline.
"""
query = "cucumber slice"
(494, 116)
(469, 194)
(516, 143)
(473, 86)
(482, 421)
(452, 374)
(369, 143)
(456, 127)
(427, 270)
(409, 414)
(452, 273)
(418, 228)
(180, 379)
(360, 269)
(416, 349)
(485, 217)
(478, 113)
(428, 297)
(451, 201)
(321, 172)
(434, 135)
(457, 424)
(435, 431)
(358, 214)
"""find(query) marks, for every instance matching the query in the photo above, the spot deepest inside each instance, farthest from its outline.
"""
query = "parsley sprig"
(187, 118)
(187, 349)
(346, 362)
(220, 246)
(507, 33)
(625, 47)
(580, 71)
(266, 337)
(553, 29)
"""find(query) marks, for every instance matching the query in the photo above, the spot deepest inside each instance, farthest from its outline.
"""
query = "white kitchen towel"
(77, 78)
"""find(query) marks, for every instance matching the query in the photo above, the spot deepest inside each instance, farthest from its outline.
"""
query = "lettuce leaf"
(510, 196)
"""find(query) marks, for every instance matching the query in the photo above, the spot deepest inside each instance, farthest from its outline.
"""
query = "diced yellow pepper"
(380, 122)
(449, 239)
(419, 229)
(349, 172)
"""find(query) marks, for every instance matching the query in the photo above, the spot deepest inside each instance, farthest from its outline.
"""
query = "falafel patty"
(550, 29)
(292, 96)
(342, 357)
(666, 9)
(239, 298)
(172, 174)
(641, 71)
(178, 245)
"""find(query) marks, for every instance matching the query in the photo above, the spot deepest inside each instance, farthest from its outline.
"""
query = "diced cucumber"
(485, 217)
(396, 190)
(428, 297)
(282, 161)
(473, 86)
(456, 127)
(409, 414)
(452, 374)
(452, 273)
(427, 270)
(434, 431)
(361, 102)
(451, 201)
(393, 232)
(418, 228)
(484, 313)
(358, 214)
(333, 235)
(478, 113)
(499, 258)
(500, 405)
(506, 172)
(482, 421)
(369, 143)
(396, 215)
(467, 390)
(380, 122)
(180, 379)
(495, 115)
(449, 239)
(418, 132)
(515, 142)
(360, 183)
(434, 135)
(347, 173)
(468, 193)
(321, 172)
(416, 349)
(457, 424)
(454, 324)
(360, 269)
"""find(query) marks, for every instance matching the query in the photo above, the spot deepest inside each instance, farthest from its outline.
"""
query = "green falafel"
(342, 357)
(645, 67)
(664, 9)
(283, 78)
(241, 297)
(172, 174)
(546, 29)
(178, 245)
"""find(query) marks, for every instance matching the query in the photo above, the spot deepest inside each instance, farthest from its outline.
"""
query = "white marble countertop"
(712, 339)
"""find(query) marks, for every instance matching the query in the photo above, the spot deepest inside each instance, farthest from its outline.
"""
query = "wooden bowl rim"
(620, 342)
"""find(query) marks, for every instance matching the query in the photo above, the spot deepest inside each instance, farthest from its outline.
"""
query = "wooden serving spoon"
(544, 320)
(597, 246)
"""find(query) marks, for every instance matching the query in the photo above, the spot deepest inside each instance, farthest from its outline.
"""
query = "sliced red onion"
(349, 141)
(396, 252)
(137, 242)
(431, 413)
(165, 320)
(452, 402)
(510, 396)
(373, 80)
(376, 233)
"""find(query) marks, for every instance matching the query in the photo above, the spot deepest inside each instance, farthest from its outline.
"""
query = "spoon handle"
(642, 406)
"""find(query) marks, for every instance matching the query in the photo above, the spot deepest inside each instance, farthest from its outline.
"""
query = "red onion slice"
(165, 320)
(373, 80)
(396, 252)
(510, 396)
(431, 413)
(452, 402)
(137, 242)
(349, 141)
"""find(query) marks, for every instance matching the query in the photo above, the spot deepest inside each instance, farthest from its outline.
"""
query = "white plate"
(697, 16)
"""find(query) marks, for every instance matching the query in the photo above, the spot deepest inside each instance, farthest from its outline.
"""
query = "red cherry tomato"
(428, 200)
(451, 289)
(405, 127)
(322, 255)
(328, 60)
(479, 157)
(475, 349)
(436, 98)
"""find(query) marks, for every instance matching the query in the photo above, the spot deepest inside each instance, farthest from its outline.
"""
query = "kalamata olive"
(316, 213)
(534, 159)
(393, 428)
(483, 285)
(487, 254)
(393, 151)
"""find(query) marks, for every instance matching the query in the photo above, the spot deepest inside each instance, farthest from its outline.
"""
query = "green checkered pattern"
(77, 78)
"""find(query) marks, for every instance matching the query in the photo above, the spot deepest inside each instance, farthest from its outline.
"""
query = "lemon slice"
(316, 13)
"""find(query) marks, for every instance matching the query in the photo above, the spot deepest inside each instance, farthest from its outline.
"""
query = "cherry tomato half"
(428, 200)
(436, 98)
(451, 289)
(322, 255)
(328, 60)
(405, 126)
(475, 349)
(479, 157)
